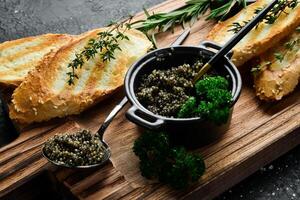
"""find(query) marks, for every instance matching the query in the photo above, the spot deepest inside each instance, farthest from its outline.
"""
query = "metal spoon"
(108, 120)
(234, 40)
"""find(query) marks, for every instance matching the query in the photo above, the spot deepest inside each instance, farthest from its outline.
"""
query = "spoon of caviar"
(83, 149)
(234, 40)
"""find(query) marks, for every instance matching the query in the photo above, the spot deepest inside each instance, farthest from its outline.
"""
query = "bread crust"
(258, 40)
(45, 93)
(280, 78)
(19, 56)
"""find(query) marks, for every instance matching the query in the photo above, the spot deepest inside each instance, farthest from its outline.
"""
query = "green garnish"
(170, 165)
(107, 43)
(256, 70)
(210, 83)
(220, 8)
(278, 56)
(188, 108)
(237, 26)
(214, 100)
(216, 106)
(278, 10)
(289, 46)
(188, 13)
(271, 17)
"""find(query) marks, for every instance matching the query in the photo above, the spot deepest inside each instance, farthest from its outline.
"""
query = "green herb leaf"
(215, 100)
(279, 56)
(106, 44)
(188, 13)
(187, 108)
(256, 70)
(170, 165)
(279, 9)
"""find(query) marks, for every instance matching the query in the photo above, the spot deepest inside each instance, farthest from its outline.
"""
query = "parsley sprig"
(106, 43)
(161, 160)
(279, 9)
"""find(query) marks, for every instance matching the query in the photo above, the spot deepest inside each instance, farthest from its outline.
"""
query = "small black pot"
(191, 132)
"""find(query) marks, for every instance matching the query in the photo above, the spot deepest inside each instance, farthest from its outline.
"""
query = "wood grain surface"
(259, 133)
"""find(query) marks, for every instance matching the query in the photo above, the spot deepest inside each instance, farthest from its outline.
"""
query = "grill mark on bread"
(18, 57)
(45, 93)
(10, 47)
(93, 79)
(22, 52)
(25, 60)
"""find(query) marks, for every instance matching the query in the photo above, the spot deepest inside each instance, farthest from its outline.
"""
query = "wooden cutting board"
(259, 133)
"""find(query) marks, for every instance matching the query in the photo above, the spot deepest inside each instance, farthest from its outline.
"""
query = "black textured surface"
(7, 130)
(20, 18)
(278, 180)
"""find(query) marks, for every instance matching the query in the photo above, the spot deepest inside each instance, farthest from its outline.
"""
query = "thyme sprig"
(289, 46)
(237, 26)
(279, 9)
(106, 44)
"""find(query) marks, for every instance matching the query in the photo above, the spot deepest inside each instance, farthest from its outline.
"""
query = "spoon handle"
(181, 38)
(235, 39)
(111, 116)
(118, 107)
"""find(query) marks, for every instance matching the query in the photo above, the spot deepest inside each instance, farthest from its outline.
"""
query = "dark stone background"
(20, 18)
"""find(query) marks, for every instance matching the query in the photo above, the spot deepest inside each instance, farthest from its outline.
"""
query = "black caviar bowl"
(191, 132)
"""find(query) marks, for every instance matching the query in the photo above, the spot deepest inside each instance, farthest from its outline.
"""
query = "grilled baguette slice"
(45, 93)
(260, 39)
(17, 57)
(280, 78)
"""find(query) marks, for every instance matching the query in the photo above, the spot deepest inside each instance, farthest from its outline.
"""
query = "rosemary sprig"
(223, 11)
(189, 13)
(271, 17)
(165, 21)
(106, 43)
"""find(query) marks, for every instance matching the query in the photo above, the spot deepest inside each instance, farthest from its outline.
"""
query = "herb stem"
(107, 43)
(188, 13)
(271, 17)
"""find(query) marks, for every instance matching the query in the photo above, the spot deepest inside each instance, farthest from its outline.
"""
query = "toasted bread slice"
(259, 39)
(45, 93)
(281, 77)
(17, 57)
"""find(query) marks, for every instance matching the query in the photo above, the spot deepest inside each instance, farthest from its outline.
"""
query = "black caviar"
(164, 91)
(79, 149)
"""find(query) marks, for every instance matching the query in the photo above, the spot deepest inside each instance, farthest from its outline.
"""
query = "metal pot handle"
(208, 44)
(131, 114)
